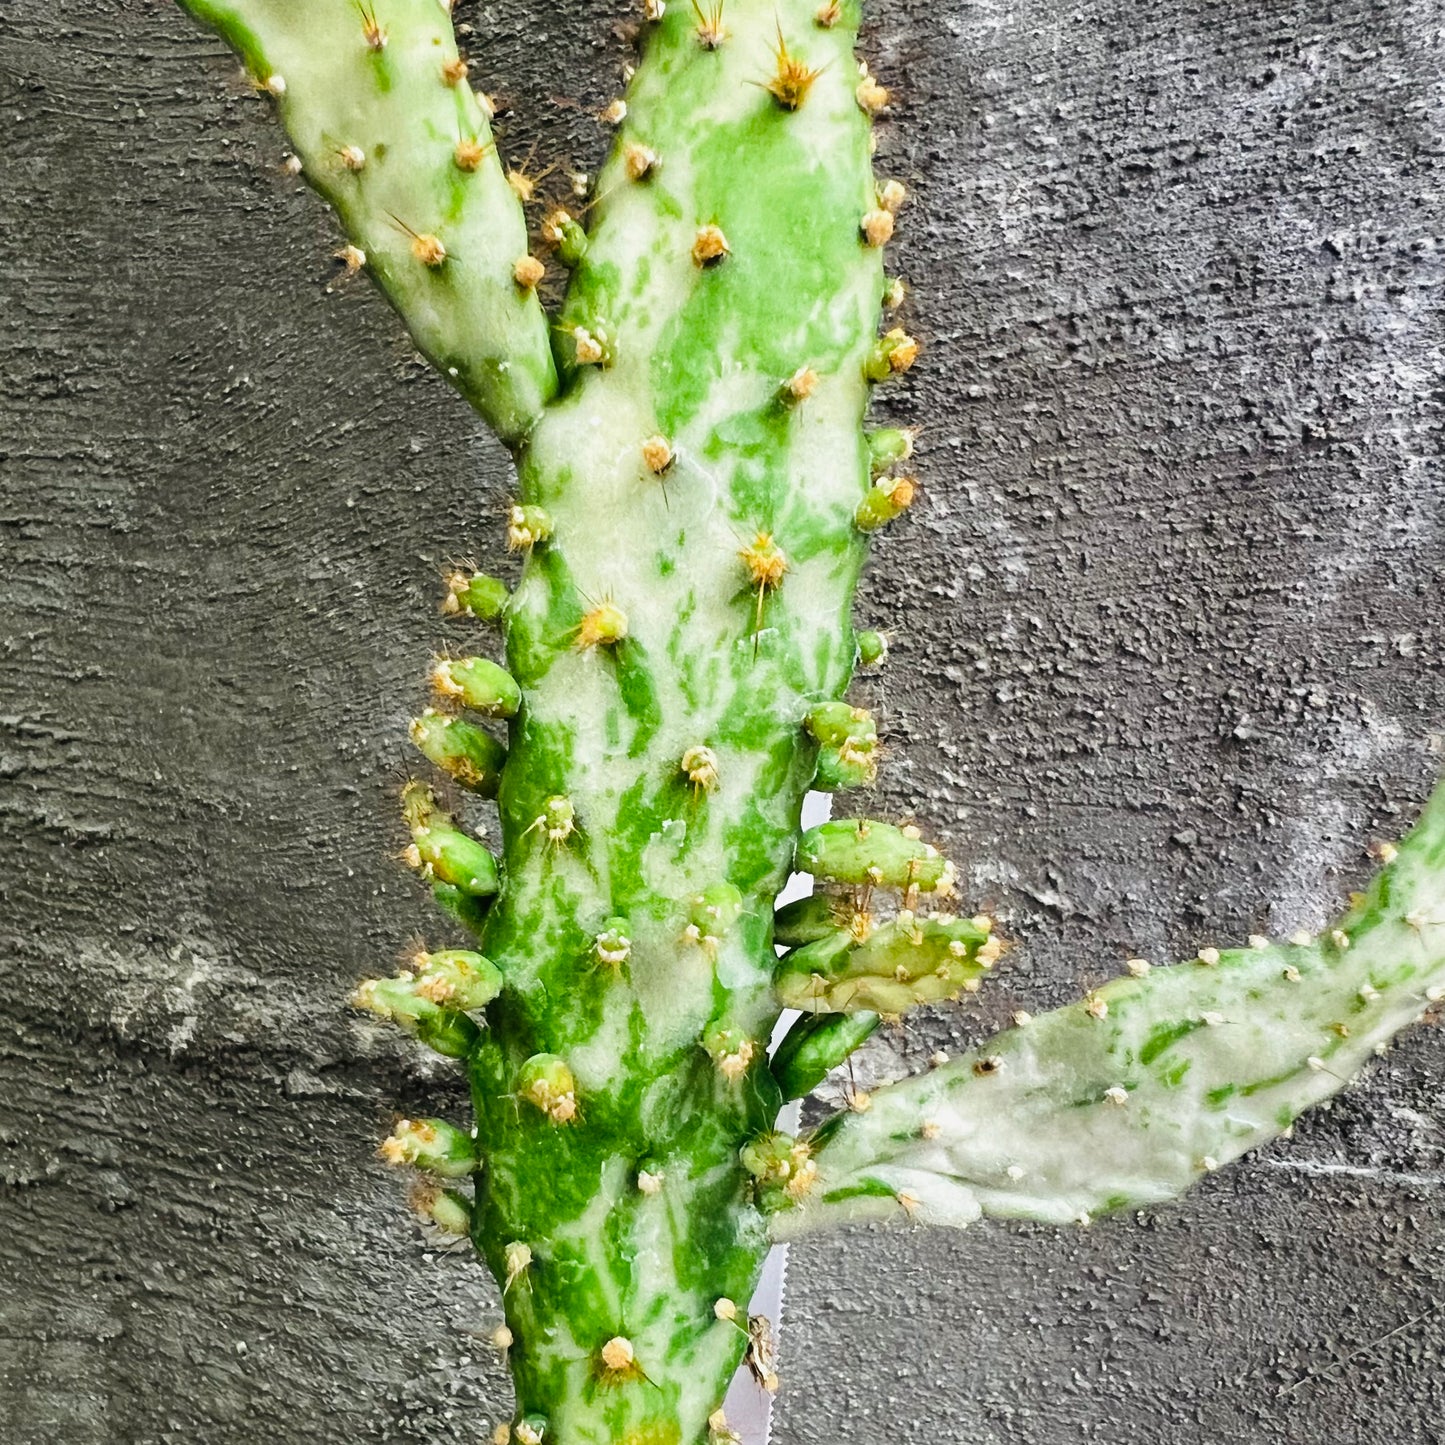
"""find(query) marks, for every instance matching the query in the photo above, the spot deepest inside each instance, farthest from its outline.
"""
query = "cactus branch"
(387, 128)
(1127, 1098)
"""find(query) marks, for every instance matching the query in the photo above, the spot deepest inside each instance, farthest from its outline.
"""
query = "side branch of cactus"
(1128, 1097)
(386, 126)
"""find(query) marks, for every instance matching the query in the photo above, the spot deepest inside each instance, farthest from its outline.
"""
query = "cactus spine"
(695, 489)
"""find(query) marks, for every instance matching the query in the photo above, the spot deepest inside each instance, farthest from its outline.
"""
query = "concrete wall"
(1168, 654)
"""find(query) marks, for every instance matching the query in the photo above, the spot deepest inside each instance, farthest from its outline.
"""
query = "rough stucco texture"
(1167, 654)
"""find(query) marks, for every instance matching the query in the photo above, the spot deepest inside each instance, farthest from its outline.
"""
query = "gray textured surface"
(1167, 650)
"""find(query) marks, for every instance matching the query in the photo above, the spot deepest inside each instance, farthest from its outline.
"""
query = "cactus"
(695, 490)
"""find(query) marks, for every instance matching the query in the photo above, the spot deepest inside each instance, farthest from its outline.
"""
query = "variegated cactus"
(695, 490)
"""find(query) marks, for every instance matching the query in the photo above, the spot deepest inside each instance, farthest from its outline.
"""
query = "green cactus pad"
(388, 129)
(902, 964)
(815, 1045)
(461, 749)
(433, 1145)
(855, 850)
(477, 683)
(1126, 1099)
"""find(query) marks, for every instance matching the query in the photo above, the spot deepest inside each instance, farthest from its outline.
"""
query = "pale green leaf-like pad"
(1127, 1098)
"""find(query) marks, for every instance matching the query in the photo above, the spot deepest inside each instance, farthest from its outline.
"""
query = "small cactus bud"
(531, 1431)
(731, 1050)
(654, 10)
(432, 1145)
(897, 966)
(614, 114)
(463, 750)
(353, 258)
(604, 626)
(448, 1211)
(894, 292)
(891, 355)
(815, 1045)
(848, 746)
(447, 1031)
(477, 594)
(860, 852)
(441, 850)
(886, 499)
(828, 14)
(477, 683)
(352, 157)
(274, 85)
(526, 527)
(711, 915)
(887, 446)
(569, 240)
(872, 648)
(547, 1083)
(456, 978)
(709, 247)
(454, 70)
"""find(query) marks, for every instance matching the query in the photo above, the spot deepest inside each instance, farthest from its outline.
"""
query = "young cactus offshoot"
(695, 491)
